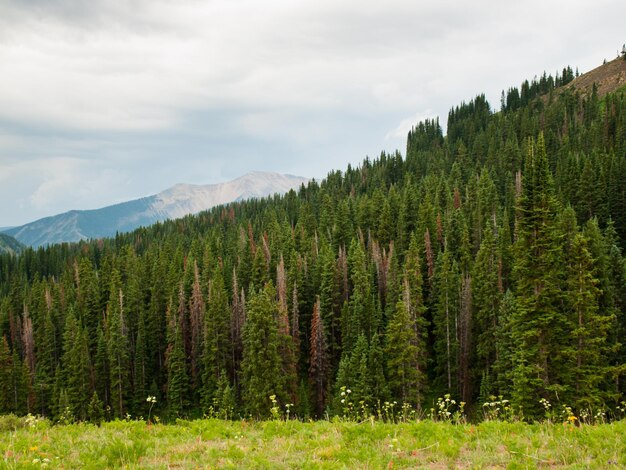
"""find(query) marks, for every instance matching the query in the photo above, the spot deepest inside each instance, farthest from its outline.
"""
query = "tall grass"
(337, 443)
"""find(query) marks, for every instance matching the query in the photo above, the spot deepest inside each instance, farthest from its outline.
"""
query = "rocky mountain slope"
(177, 201)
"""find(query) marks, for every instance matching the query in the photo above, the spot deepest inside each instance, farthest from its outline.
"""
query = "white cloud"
(403, 128)
(49, 183)
(147, 92)
(72, 182)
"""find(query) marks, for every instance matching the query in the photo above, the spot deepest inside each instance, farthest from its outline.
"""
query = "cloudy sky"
(105, 101)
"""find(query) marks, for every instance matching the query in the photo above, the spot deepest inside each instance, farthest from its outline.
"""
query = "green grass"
(293, 444)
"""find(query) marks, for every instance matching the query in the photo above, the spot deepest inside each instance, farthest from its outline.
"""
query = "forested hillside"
(488, 261)
(9, 244)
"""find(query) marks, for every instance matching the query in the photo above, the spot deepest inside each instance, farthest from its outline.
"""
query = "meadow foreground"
(212, 443)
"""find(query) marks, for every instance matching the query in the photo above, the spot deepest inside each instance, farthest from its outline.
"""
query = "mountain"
(9, 244)
(177, 201)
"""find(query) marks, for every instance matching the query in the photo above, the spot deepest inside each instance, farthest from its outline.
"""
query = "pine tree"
(540, 327)
(414, 301)
(197, 309)
(362, 317)
(354, 375)
(117, 346)
(88, 299)
(101, 368)
(20, 385)
(486, 302)
(591, 328)
(376, 377)
(406, 378)
(76, 367)
(28, 345)
(319, 367)
(46, 352)
(331, 302)
(176, 364)
(261, 363)
(140, 372)
(95, 410)
(445, 320)
(6, 377)
(237, 323)
(287, 349)
(217, 347)
(500, 381)
(464, 333)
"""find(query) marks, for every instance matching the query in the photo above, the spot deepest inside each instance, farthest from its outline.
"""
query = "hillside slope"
(608, 78)
(9, 244)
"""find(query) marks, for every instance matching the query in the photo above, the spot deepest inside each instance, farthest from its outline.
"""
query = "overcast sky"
(106, 101)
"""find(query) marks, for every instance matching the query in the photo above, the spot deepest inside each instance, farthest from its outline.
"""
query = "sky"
(106, 101)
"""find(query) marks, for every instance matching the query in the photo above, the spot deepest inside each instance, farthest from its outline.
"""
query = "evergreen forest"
(485, 262)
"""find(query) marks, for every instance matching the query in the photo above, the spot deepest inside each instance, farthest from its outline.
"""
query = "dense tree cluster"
(487, 262)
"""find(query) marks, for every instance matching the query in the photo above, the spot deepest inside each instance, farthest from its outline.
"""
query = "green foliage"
(294, 444)
(76, 371)
(95, 410)
(406, 375)
(117, 347)
(216, 348)
(540, 326)
(177, 375)
(459, 269)
(261, 364)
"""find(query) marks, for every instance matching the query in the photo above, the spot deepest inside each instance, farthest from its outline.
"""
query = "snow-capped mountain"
(177, 201)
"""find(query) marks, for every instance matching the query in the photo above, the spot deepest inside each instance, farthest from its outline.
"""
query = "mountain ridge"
(174, 202)
(608, 77)
(9, 244)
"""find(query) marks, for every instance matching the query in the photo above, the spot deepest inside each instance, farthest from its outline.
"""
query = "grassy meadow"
(212, 443)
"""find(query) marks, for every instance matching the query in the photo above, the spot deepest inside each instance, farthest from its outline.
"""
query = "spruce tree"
(591, 326)
(406, 378)
(176, 364)
(76, 367)
(216, 355)
(447, 287)
(486, 302)
(319, 366)
(261, 363)
(197, 309)
(117, 347)
(361, 314)
(6, 377)
(540, 328)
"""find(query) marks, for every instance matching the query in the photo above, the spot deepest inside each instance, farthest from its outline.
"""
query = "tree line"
(485, 262)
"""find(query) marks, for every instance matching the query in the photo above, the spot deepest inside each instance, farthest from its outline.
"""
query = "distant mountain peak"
(177, 201)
